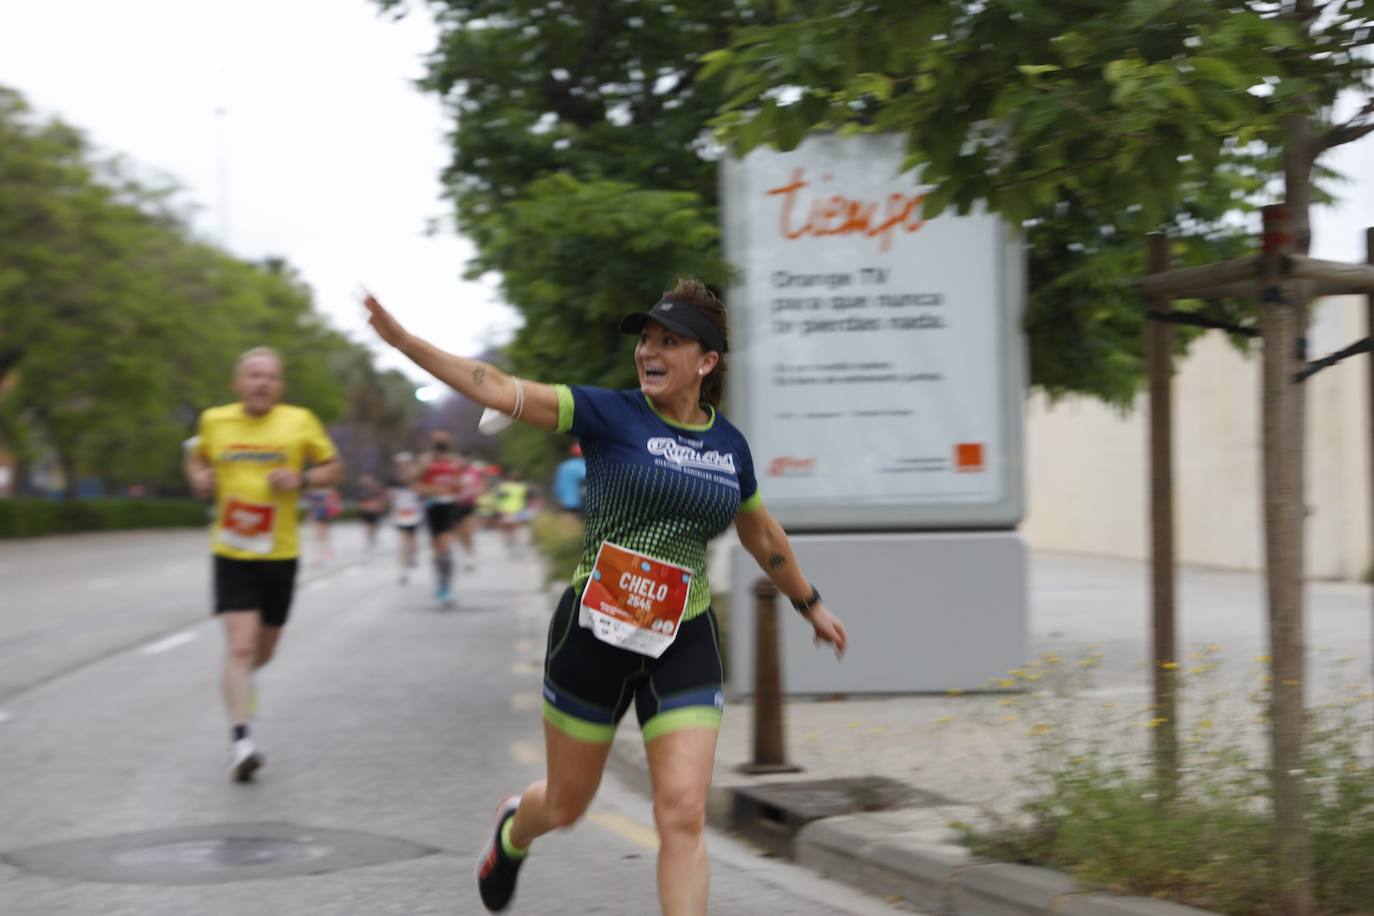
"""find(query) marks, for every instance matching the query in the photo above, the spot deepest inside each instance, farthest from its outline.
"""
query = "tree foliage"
(578, 167)
(117, 325)
(1088, 122)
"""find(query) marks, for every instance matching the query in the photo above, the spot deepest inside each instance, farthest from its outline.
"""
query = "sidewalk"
(963, 752)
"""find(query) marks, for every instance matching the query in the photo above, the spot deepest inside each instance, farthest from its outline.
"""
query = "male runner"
(440, 484)
(251, 455)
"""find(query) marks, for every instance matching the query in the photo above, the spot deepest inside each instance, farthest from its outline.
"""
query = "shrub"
(26, 517)
(558, 536)
(1096, 809)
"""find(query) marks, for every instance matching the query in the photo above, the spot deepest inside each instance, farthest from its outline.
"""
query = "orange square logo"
(968, 457)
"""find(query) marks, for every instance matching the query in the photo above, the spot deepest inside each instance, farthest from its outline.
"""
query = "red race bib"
(634, 601)
(248, 526)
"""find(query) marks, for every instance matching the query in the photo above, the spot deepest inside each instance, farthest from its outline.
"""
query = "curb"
(946, 879)
(914, 862)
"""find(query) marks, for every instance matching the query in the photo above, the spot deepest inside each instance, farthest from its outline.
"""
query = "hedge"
(22, 518)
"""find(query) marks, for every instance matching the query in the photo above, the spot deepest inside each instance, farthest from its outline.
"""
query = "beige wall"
(1087, 469)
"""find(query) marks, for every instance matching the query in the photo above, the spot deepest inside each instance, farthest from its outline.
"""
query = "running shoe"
(443, 596)
(497, 871)
(244, 760)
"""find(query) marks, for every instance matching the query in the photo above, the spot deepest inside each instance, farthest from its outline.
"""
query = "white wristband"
(494, 421)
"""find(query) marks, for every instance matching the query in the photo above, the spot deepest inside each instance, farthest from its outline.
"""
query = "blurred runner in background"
(439, 483)
(512, 500)
(407, 509)
(371, 506)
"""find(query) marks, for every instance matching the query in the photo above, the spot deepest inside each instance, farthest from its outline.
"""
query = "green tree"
(117, 326)
(582, 169)
(1108, 118)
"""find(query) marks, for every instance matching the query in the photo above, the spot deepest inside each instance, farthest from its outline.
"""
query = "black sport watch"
(805, 604)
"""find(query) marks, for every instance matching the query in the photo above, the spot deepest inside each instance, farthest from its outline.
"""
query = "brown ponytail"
(690, 289)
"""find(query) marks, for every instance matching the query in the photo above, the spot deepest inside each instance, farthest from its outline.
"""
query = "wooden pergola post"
(1284, 509)
(1369, 330)
(1159, 353)
(1285, 281)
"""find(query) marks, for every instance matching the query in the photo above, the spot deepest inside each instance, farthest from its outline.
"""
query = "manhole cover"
(213, 854)
(228, 852)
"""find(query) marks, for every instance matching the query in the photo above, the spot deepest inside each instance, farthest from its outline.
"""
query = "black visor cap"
(679, 316)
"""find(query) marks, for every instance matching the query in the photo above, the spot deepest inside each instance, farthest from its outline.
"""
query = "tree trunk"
(1159, 349)
(1283, 515)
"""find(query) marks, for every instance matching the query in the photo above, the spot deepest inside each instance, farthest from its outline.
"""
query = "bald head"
(258, 380)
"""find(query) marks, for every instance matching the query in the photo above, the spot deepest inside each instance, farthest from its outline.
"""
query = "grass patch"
(1094, 808)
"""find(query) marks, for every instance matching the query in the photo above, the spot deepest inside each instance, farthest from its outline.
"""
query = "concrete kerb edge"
(876, 867)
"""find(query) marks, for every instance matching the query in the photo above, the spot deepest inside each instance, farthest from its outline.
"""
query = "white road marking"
(525, 646)
(350, 571)
(525, 667)
(524, 702)
(96, 585)
(4, 716)
(314, 586)
(626, 828)
(169, 642)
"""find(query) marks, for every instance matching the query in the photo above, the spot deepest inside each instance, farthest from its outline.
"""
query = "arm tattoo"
(777, 561)
(478, 374)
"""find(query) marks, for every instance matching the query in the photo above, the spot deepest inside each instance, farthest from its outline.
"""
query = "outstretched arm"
(765, 540)
(472, 378)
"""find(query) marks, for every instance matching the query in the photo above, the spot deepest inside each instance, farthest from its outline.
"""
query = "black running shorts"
(589, 684)
(441, 517)
(265, 586)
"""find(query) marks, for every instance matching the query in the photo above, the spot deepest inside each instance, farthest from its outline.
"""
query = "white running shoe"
(245, 760)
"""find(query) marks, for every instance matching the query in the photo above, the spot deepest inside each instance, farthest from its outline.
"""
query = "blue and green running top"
(655, 486)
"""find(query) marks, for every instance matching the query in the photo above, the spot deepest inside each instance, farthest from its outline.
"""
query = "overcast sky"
(330, 155)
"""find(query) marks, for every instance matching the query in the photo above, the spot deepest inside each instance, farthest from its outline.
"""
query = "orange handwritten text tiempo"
(839, 215)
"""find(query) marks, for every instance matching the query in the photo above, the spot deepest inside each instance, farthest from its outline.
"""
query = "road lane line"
(96, 585)
(168, 643)
(527, 752)
(626, 828)
(525, 667)
(524, 702)
(525, 646)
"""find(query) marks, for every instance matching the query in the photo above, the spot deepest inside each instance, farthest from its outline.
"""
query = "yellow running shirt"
(252, 520)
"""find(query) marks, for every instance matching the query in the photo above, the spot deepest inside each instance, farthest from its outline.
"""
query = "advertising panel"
(878, 366)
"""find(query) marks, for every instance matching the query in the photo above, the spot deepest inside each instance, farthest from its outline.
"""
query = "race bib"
(248, 526)
(634, 601)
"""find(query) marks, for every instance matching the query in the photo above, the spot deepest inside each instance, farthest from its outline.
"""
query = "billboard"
(878, 365)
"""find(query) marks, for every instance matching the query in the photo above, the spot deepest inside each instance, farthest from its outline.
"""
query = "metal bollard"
(769, 753)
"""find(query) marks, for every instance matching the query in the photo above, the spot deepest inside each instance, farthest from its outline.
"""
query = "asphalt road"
(384, 719)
